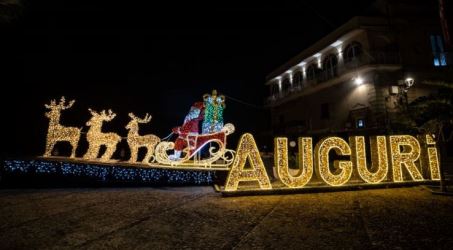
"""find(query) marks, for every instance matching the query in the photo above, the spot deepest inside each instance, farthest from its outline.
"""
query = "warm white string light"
(305, 159)
(96, 138)
(57, 132)
(137, 141)
(379, 164)
(246, 164)
(247, 151)
(322, 150)
(408, 158)
(433, 158)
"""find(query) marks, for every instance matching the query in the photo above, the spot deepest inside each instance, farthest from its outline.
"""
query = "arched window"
(329, 66)
(274, 89)
(286, 84)
(297, 78)
(352, 51)
(311, 72)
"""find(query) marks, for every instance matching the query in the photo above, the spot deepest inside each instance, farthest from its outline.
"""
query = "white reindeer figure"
(56, 131)
(137, 141)
(96, 138)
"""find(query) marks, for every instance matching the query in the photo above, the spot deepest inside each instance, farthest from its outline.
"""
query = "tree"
(433, 114)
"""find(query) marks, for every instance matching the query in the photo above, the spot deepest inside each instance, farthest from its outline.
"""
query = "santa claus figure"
(189, 128)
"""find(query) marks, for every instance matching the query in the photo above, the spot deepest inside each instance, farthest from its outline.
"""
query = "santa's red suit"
(190, 126)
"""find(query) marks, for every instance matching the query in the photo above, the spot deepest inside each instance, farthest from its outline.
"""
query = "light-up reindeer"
(137, 141)
(96, 138)
(56, 131)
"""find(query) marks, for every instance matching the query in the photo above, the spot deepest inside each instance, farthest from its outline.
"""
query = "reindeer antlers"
(108, 116)
(52, 104)
(144, 120)
(103, 115)
(61, 104)
(147, 118)
(93, 112)
(63, 100)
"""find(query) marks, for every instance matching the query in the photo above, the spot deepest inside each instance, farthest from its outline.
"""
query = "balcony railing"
(344, 66)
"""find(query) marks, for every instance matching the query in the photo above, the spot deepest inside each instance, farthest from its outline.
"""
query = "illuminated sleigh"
(219, 155)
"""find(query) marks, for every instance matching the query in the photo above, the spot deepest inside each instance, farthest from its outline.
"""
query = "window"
(325, 114)
(437, 47)
(330, 66)
(360, 123)
(274, 89)
(286, 84)
(298, 77)
(311, 72)
(352, 51)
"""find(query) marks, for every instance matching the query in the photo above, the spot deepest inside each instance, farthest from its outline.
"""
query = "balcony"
(343, 67)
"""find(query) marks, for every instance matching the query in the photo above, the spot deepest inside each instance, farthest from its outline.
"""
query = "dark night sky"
(149, 58)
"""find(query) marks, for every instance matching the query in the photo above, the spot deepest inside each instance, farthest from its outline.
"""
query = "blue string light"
(109, 173)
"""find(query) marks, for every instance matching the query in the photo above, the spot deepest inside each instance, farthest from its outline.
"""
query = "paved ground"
(197, 217)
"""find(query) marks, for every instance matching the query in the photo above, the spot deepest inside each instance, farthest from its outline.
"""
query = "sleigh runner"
(215, 143)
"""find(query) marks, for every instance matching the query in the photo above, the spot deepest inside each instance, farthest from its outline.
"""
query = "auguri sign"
(394, 159)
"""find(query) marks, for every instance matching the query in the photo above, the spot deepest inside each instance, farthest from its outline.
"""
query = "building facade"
(357, 77)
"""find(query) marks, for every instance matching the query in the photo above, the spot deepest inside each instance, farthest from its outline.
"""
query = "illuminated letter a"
(247, 151)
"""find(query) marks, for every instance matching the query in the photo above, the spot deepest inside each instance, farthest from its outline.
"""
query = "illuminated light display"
(407, 158)
(322, 150)
(219, 155)
(213, 114)
(379, 163)
(247, 151)
(57, 132)
(137, 141)
(245, 166)
(108, 174)
(305, 159)
(433, 158)
(96, 138)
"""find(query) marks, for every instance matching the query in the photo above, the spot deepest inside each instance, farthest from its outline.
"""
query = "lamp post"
(404, 86)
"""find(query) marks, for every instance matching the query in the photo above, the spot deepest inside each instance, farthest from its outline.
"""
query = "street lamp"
(358, 80)
(406, 84)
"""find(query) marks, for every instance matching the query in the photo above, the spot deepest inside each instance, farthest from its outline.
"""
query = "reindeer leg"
(109, 152)
(152, 151)
(148, 155)
(74, 144)
(49, 147)
(105, 156)
(92, 152)
(134, 152)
